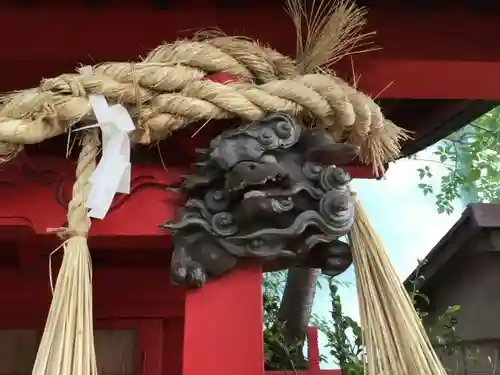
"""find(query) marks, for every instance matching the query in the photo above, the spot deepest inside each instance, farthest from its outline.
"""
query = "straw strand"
(392, 332)
(67, 344)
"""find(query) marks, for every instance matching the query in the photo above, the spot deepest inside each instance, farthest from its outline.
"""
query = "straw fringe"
(392, 332)
(67, 345)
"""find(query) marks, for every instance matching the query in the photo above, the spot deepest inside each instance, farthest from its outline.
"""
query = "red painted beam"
(36, 190)
(107, 33)
(380, 78)
(425, 55)
(427, 79)
(117, 293)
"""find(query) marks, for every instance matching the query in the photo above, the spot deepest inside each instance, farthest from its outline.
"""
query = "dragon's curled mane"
(269, 190)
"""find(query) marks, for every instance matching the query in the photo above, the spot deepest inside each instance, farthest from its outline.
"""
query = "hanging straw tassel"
(395, 339)
(67, 345)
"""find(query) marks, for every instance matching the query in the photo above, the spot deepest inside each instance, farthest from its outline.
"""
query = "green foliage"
(471, 157)
(413, 289)
(272, 287)
(277, 354)
(442, 333)
(343, 333)
(272, 291)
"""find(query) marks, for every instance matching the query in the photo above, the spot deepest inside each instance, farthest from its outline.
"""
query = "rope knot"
(66, 84)
(65, 233)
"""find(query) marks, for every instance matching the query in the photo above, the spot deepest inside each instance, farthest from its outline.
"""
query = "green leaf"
(425, 298)
(474, 174)
(453, 309)
(421, 173)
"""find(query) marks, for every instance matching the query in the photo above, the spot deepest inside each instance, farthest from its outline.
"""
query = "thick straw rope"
(392, 332)
(166, 92)
(67, 345)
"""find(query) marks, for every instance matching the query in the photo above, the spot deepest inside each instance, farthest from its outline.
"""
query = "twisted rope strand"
(233, 55)
(67, 343)
(78, 217)
(316, 95)
(167, 92)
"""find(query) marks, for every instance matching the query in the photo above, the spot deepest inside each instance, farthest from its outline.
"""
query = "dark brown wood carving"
(270, 191)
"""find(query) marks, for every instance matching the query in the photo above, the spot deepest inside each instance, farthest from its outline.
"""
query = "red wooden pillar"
(223, 326)
(313, 349)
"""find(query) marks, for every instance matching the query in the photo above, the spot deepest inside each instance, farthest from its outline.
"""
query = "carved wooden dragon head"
(270, 190)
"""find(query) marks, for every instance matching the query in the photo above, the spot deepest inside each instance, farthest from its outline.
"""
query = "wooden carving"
(270, 191)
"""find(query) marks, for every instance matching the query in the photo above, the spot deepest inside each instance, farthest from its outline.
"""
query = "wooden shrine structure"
(437, 70)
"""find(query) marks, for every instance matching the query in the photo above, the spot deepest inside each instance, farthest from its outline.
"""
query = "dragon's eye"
(283, 130)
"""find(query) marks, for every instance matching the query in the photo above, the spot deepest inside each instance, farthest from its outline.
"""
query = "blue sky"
(406, 220)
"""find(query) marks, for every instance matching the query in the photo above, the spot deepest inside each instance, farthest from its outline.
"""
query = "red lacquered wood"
(429, 79)
(443, 54)
(223, 326)
(404, 34)
(35, 192)
(173, 345)
(312, 349)
(150, 347)
(118, 293)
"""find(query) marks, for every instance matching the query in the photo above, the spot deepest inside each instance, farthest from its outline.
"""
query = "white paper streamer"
(112, 174)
